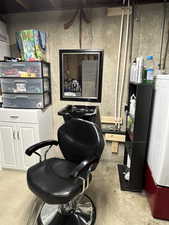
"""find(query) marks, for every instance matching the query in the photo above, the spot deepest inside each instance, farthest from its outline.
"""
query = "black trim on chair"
(84, 166)
(33, 148)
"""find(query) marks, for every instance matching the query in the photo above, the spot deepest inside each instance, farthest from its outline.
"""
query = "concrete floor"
(114, 207)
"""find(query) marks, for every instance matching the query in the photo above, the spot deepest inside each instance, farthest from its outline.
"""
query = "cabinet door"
(8, 146)
(27, 135)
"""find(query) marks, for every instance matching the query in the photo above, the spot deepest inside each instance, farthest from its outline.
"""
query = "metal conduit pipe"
(125, 59)
(119, 60)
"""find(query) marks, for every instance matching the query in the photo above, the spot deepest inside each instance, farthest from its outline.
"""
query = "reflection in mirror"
(81, 74)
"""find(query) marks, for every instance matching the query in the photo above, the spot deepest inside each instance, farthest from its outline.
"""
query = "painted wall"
(102, 33)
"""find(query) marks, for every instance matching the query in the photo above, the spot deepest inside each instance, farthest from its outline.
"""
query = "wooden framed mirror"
(81, 75)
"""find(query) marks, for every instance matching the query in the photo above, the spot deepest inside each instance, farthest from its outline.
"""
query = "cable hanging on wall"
(82, 17)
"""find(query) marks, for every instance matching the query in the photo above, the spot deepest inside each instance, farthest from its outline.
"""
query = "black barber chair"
(60, 183)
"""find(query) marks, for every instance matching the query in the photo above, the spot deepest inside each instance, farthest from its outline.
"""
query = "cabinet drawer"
(24, 69)
(20, 115)
(26, 101)
(24, 85)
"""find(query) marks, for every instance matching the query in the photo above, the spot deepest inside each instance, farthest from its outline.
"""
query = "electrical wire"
(80, 29)
(91, 31)
(132, 31)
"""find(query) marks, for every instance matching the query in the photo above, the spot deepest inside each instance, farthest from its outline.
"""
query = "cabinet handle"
(13, 134)
(14, 117)
(18, 134)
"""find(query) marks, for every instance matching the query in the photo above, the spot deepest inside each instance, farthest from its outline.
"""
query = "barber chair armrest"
(35, 147)
(84, 167)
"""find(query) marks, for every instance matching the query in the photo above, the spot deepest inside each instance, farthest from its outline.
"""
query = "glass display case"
(25, 84)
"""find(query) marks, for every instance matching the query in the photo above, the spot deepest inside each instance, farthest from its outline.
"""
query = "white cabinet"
(27, 134)
(19, 130)
(8, 145)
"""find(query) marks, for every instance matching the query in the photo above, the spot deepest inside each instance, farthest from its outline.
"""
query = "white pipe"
(125, 59)
(119, 60)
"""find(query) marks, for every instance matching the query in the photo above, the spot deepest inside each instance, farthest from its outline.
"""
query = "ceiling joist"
(11, 6)
(24, 4)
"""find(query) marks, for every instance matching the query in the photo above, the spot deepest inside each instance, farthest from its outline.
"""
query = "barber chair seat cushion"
(50, 180)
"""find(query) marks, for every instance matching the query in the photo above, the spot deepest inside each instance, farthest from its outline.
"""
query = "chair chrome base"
(80, 211)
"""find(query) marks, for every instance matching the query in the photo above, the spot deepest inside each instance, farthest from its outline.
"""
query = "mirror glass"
(81, 75)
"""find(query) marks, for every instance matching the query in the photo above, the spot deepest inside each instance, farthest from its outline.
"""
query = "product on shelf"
(132, 107)
(149, 68)
(31, 44)
(142, 71)
(136, 70)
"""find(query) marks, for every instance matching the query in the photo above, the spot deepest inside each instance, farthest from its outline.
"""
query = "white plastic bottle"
(149, 69)
(132, 71)
(140, 62)
(132, 105)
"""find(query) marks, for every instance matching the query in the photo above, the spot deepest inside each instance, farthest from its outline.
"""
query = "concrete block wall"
(102, 33)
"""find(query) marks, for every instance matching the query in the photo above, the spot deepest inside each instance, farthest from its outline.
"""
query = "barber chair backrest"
(80, 139)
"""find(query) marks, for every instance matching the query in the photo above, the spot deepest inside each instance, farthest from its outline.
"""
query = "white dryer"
(158, 150)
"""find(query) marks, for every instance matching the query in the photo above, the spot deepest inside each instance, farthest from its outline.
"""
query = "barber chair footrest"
(78, 212)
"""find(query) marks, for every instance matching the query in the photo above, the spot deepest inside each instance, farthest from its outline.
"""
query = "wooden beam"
(115, 137)
(110, 119)
(24, 4)
(114, 147)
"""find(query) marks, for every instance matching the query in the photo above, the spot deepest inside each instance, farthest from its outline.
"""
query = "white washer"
(158, 151)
